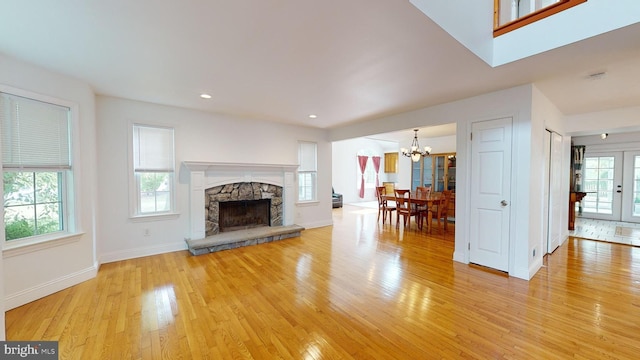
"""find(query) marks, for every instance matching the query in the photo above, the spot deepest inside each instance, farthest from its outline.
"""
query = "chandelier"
(415, 153)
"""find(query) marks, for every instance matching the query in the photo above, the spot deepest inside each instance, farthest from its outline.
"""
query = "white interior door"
(547, 186)
(631, 187)
(490, 193)
(555, 200)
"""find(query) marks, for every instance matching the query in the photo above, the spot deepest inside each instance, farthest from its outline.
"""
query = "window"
(153, 168)
(307, 171)
(369, 171)
(36, 164)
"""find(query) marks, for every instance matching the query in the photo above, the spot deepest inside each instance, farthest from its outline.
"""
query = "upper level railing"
(509, 15)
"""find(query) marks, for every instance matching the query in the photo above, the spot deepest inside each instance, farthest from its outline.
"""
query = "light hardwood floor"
(357, 290)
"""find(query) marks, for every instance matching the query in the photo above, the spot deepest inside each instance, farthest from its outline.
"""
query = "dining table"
(428, 200)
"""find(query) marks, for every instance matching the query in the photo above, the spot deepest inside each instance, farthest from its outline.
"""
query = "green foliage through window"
(32, 203)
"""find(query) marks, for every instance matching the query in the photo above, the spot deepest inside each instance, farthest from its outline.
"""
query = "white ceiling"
(281, 60)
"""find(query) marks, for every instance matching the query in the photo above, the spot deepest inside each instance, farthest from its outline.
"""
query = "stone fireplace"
(242, 206)
(212, 183)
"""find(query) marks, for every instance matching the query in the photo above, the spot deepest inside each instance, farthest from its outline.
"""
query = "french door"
(612, 183)
(631, 186)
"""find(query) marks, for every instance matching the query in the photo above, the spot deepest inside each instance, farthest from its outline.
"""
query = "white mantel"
(204, 175)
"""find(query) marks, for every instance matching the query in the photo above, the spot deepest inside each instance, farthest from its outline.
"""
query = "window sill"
(308, 203)
(19, 247)
(154, 217)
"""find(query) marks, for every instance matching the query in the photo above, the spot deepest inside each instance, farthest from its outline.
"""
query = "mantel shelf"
(221, 166)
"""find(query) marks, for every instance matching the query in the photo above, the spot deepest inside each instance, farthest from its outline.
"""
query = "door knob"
(504, 203)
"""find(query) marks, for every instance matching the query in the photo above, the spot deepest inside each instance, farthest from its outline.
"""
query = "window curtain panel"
(376, 167)
(362, 161)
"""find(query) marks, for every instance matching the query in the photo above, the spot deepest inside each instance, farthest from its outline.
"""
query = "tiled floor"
(610, 231)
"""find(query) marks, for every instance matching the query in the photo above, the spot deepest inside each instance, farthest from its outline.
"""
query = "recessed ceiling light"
(312, 116)
(205, 96)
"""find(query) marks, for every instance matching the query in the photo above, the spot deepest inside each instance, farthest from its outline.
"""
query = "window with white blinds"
(35, 134)
(153, 168)
(307, 171)
(36, 167)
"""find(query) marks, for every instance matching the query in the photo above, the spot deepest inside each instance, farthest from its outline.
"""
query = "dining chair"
(383, 204)
(404, 207)
(442, 208)
(422, 192)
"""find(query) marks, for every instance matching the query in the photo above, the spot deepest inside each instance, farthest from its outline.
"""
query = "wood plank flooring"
(356, 290)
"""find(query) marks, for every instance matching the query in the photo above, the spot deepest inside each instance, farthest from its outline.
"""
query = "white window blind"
(153, 149)
(307, 156)
(35, 134)
(307, 171)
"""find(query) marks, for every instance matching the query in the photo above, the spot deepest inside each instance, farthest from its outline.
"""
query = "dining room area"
(419, 164)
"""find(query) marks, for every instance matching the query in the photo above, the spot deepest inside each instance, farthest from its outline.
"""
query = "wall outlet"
(146, 232)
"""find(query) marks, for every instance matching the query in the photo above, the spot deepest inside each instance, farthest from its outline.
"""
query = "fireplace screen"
(244, 214)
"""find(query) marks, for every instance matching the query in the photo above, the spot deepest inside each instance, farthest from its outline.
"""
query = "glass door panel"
(451, 182)
(439, 173)
(427, 172)
(631, 188)
(416, 173)
(601, 181)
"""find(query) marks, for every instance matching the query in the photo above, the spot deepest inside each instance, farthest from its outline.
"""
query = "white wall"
(199, 136)
(609, 121)
(32, 272)
(545, 115)
(470, 22)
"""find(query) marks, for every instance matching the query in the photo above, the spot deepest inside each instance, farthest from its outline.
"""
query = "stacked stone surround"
(239, 192)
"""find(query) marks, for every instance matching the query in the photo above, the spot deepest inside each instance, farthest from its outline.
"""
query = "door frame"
(628, 178)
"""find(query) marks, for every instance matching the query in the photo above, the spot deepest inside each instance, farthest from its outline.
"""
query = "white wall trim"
(317, 224)
(39, 291)
(141, 252)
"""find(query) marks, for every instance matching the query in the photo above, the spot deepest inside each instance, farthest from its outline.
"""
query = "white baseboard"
(460, 256)
(316, 224)
(141, 252)
(39, 291)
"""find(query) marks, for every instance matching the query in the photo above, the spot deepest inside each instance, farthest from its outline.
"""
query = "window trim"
(529, 18)
(71, 225)
(314, 198)
(134, 214)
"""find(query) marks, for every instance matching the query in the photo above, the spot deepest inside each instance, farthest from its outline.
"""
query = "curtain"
(362, 161)
(376, 167)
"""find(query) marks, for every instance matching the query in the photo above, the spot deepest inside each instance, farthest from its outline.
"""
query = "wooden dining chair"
(441, 211)
(404, 207)
(383, 205)
(422, 192)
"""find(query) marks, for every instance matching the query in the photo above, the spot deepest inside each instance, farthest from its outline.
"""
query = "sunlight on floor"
(610, 231)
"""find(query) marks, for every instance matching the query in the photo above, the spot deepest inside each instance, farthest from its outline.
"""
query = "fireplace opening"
(244, 214)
